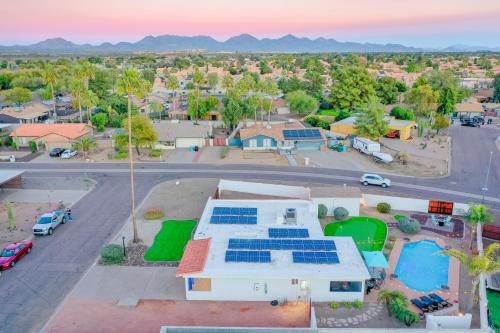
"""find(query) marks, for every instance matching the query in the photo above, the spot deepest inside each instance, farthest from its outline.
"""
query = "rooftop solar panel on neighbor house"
(234, 211)
(315, 257)
(288, 233)
(233, 219)
(282, 244)
(302, 134)
(248, 256)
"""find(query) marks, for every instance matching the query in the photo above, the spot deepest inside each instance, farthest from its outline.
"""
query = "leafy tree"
(103, 82)
(228, 82)
(446, 101)
(291, 84)
(314, 83)
(423, 100)
(27, 81)
(195, 111)
(343, 114)
(18, 95)
(496, 88)
(264, 68)
(371, 123)
(212, 80)
(198, 79)
(143, 132)
(149, 75)
(476, 216)
(132, 83)
(50, 76)
(100, 121)
(301, 103)
(245, 84)
(209, 103)
(270, 88)
(6, 80)
(234, 111)
(387, 90)
(352, 87)
(85, 145)
(440, 122)
(254, 102)
(402, 113)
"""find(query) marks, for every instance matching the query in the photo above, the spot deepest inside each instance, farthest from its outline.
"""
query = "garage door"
(189, 142)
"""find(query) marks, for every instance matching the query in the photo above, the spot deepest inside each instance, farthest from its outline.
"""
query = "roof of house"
(170, 130)
(485, 93)
(70, 131)
(394, 122)
(469, 107)
(28, 111)
(274, 131)
(194, 257)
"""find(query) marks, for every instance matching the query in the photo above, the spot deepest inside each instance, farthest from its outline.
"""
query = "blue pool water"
(422, 267)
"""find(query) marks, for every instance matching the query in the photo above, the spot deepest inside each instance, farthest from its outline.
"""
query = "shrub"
(154, 213)
(392, 238)
(357, 304)
(324, 105)
(33, 146)
(322, 211)
(402, 113)
(409, 226)
(389, 246)
(340, 213)
(383, 207)
(112, 254)
(121, 154)
(398, 217)
(224, 152)
(347, 305)
(334, 305)
(155, 153)
(312, 120)
(324, 124)
(343, 114)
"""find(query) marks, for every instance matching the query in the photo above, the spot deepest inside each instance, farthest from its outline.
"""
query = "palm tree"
(198, 80)
(77, 89)
(487, 263)
(50, 76)
(391, 296)
(131, 83)
(89, 100)
(172, 84)
(88, 72)
(271, 89)
(476, 217)
(85, 145)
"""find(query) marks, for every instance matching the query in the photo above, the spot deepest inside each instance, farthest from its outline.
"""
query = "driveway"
(180, 155)
(331, 159)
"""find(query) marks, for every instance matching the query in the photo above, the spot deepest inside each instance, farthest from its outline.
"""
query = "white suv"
(373, 179)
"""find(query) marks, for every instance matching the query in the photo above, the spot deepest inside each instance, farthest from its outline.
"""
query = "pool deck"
(452, 295)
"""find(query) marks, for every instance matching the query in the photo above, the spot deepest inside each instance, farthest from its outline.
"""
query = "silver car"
(48, 222)
(373, 179)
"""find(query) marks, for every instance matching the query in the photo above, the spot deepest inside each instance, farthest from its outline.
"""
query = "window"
(266, 143)
(295, 281)
(345, 286)
(252, 143)
(168, 143)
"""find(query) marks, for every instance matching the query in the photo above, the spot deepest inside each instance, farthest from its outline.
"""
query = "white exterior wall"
(225, 289)
(460, 208)
(409, 204)
(188, 142)
(351, 204)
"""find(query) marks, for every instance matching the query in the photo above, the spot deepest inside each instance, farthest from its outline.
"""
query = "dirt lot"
(239, 156)
(25, 214)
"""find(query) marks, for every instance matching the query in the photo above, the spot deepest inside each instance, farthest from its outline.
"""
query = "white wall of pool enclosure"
(351, 204)
(256, 289)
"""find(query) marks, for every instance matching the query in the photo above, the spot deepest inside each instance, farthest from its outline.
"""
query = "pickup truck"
(48, 222)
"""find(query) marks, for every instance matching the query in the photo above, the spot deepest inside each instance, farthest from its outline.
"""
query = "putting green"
(367, 232)
(170, 241)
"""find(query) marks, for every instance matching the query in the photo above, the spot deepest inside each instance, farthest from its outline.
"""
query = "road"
(31, 293)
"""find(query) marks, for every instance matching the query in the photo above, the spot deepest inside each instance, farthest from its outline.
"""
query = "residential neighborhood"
(270, 167)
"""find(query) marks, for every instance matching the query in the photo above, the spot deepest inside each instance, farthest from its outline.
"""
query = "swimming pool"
(422, 267)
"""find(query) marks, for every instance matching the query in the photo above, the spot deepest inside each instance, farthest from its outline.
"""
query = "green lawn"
(368, 233)
(332, 113)
(170, 241)
(494, 307)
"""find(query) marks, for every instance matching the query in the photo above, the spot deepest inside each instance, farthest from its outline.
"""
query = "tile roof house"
(462, 109)
(181, 134)
(28, 113)
(50, 135)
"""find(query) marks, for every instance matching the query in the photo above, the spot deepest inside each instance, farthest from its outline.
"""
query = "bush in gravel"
(383, 207)
(224, 152)
(340, 213)
(347, 305)
(389, 246)
(154, 214)
(334, 305)
(409, 226)
(392, 238)
(357, 304)
(155, 153)
(112, 254)
(322, 211)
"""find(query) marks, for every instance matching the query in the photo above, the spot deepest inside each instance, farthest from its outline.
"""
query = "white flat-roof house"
(262, 242)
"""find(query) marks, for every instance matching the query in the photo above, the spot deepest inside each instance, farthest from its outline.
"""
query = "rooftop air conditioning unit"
(291, 216)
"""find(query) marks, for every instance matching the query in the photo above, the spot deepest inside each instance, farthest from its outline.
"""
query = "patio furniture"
(429, 304)
(428, 300)
(393, 276)
(441, 301)
(420, 305)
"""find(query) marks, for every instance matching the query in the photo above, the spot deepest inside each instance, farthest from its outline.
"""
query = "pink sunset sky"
(424, 23)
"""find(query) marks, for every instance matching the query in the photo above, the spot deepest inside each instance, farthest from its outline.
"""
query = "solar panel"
(315, 257)
(288, 233)
(248, 256)
(305, 134)
(282, 244)
(234, 211)
(233, 219)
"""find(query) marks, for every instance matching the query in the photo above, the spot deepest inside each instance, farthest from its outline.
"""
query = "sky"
(422, 23)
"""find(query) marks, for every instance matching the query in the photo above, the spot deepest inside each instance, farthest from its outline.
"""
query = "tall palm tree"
(131, 83)
(88, 72)
(198, 80)
(391, 296)
(271, 89)
(173, 84)
(50, 76)
(476, 217)
(89, 100)
(77, 89)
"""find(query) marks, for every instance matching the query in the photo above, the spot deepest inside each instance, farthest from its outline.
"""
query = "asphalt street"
(30, 293)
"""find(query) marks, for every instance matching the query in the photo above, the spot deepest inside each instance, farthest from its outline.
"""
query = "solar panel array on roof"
(315, 257)
(233, 219)
(288, 233)
(302, 134)
(248, 256)
(282, 244)
(234, 211)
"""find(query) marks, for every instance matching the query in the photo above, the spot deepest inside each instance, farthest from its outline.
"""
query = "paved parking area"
(180, 156)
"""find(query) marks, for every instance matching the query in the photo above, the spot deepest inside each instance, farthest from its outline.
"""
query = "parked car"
(470, 123)
(392, 134)
(13, 253)
(56, 152)
(478, 120)
(373, 179)
(48, 222)
(69, 153)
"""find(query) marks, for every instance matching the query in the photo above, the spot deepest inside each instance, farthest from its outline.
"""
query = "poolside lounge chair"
(431, 303)
(418, 303)
(441, 301)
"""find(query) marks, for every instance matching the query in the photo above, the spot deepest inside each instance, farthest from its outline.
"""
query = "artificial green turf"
(170, 241)
(332, 113)
(367, 232)
(494, 308)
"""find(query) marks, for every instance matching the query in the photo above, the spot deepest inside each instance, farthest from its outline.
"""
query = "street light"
(484, 189)
(124, 250)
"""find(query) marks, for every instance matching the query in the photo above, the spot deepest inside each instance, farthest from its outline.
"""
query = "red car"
(393, 134)
(13, 252)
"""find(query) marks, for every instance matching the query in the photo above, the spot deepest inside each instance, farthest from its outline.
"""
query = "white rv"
(366, 146)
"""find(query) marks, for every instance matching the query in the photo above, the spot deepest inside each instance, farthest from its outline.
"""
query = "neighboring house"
(347, 127)
(286, 136)
(281, 106)
(178, 134)
(468, 110)
(242, 216)
(50, 135)
(484, 95)
(26, 114)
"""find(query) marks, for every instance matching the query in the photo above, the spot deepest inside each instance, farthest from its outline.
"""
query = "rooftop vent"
(291, 216)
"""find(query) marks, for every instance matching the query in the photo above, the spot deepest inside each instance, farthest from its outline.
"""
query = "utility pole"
(485, 185)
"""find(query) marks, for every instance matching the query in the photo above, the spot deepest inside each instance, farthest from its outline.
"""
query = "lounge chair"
(418, 303)
(430, 303)
(441, 301)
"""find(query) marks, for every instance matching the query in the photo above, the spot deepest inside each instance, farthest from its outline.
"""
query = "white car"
(69, 153)
(373, 179)
(48, 222)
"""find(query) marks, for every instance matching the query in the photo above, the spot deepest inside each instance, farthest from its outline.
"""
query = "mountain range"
(240, 43)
